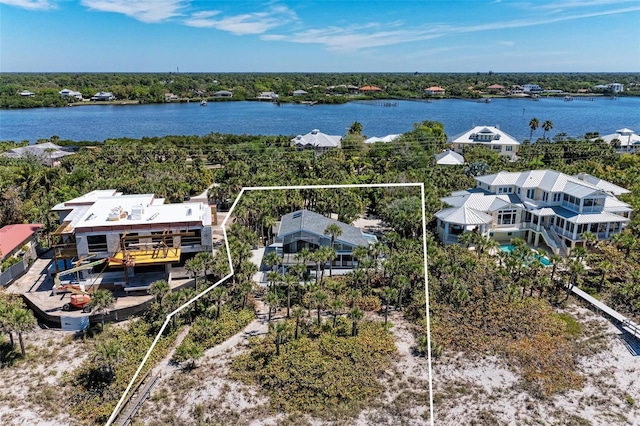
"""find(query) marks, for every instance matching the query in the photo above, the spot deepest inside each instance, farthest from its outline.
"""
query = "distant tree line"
(152, 87)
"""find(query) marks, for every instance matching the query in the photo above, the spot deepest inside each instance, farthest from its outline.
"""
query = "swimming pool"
(508, 248)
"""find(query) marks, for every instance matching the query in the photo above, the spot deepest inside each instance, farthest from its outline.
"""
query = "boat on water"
(203, 103)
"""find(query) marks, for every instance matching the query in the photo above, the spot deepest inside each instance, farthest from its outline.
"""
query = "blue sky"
(319, 36)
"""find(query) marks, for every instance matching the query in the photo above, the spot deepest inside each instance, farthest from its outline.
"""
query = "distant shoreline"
(483, 98)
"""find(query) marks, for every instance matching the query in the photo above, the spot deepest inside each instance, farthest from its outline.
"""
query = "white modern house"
(108, 224)
(490, 137)
(27, 93)
(625, 140)
(532, 88)
(539, 206)
(612, 87)
(317, 141)
(300, 92)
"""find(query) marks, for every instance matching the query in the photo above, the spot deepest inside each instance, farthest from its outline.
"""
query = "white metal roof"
(498, 137)
(449, 157)
(464, 216)
(388, 138)
(316, 138)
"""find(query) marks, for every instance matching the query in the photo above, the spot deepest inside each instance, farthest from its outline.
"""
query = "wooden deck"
(125, 417)
(623, 322)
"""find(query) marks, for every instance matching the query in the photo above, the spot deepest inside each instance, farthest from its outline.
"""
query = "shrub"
(368, 303)
(320, 376)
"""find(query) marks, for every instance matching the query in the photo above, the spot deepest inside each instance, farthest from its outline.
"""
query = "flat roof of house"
(13, 236)
(104, 209)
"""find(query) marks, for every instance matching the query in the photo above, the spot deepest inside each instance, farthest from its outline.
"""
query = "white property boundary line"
(226, 277)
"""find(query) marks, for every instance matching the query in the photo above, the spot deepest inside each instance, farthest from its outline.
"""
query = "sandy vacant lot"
(482, 391)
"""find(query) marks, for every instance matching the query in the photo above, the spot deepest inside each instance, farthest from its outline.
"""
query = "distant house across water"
(370, 89)
(67, 93)
(268, 96)
(27, 93)
(434, 90)
(223, 94)
(103, 96)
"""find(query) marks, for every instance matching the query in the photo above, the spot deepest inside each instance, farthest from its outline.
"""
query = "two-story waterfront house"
(537, 206)
(490, 137)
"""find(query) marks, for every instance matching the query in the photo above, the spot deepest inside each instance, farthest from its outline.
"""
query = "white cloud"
(246, 23)
(352, 38)
(30, 4)
(148, 11)
(357, 37)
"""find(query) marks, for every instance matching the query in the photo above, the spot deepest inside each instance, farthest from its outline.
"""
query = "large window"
(507, 217)
(531, 193)
(556, 197)
(97, 243)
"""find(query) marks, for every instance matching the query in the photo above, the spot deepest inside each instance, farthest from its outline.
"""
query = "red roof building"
(434, 90)
(13, 237)
(368, 89)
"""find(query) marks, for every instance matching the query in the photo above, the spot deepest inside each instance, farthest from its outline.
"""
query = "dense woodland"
(151, 88)
(480, 303)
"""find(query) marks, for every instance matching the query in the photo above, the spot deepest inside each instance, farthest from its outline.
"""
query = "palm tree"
(336, 306)
(355, 315)
(319, 299)
(335, 231)
(360, 253)
(193, 266)
(219, 294)
(546, 126)
(207, 261)
(271, 260)
(245, 288)
(273, 301)
(108, 353)
(101, 301)
(282, 330)
(589, 238)
(298, 313)
(160, 289)
(22, 321)
(533, 125)
(389, 293)
(289, 281)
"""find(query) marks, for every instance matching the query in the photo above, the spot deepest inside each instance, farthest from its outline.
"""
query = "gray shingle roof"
(314, 223)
